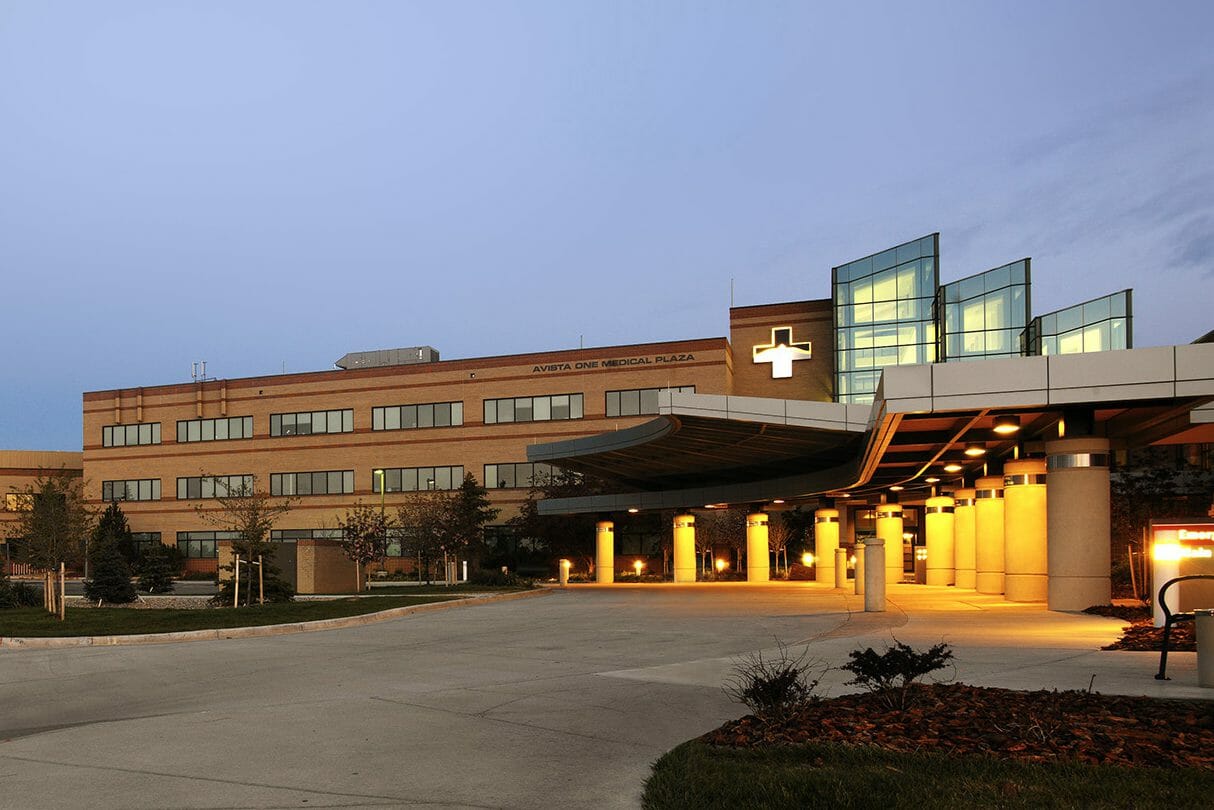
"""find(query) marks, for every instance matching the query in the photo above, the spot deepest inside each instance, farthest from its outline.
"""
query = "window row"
(214, 430)
(517, 475)
(331, 482)
(214, 486)
(637, 401)
(415, 479)
(141, 489)
(407, 417)
(306, 423)
(533, 409)
(130, 435)
(201, 545)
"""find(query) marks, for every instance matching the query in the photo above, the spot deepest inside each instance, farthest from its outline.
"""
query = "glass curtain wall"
(1099, 325)
(883, 315)
(983, 316)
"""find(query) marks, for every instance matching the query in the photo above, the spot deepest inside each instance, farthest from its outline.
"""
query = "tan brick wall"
(592, 372)
(812, 379)
(20, 468)
(323, 568)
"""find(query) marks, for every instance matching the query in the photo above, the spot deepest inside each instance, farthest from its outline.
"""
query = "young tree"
(113, 530)
(424, 522)
(111, 579)
(779, 533)
(156, 570)
(54, 528)
(722, 527)
(364, 536)
(470, 512)
(250, 514)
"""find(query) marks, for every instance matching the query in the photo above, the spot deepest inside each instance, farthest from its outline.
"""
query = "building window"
(883, 315)
(145, 542)
(215, 430)
(533, 409)
(409, 417)
(639, 401)
(419, 479)
(330, 482)
(214, 486)
(18, 502)
(130, 435)
(202, 545)
(291, 535)
(1099, 325)
(983, 316)
(141, 489)
(306, 423)
(522, 475)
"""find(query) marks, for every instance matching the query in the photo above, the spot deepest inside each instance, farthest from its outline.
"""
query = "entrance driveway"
(561, 701)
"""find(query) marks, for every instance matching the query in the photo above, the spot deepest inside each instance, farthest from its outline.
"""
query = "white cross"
(781, 352)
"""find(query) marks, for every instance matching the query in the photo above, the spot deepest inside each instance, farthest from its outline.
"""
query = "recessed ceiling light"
(975, 449)
(932, 480)
(896, 488)
(952, 467)
(1007, 424)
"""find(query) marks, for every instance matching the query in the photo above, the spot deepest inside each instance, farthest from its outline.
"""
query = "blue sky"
(269, 185)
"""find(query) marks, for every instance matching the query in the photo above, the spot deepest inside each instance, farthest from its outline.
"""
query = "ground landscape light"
(807, 559)
(720, 564)
(638, 565)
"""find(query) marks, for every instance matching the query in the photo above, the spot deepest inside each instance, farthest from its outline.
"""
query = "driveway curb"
(63, 642)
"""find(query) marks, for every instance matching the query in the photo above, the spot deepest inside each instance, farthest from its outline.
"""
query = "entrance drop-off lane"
(558, 701)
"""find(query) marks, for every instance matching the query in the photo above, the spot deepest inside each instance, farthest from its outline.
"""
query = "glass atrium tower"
(890, 310)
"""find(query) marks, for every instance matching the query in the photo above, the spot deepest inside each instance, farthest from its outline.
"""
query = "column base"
(940, 576)
(1025, 587)
(966, 579)
(986, 582)
(825, 575)
(1078, 593)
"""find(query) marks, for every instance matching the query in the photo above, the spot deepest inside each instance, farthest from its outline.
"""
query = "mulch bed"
(1141, 635)
(1025, 726)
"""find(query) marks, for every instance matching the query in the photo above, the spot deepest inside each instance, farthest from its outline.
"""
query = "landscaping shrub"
(497, 579)
(774, 687)
(891, 673)
(111, 580)
(18, 594)
(156, 571)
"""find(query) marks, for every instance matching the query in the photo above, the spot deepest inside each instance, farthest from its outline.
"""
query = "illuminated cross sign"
(781, 352)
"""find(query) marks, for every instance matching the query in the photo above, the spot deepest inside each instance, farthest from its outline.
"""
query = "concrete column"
(826, 541)
(758, 561)
(840, 568)
(1077, 515)
(685, 548)
(963, 537)
(858, 583)
(874, 573)
(1024, 530)
(938, 515)
(604, 552)
(988, 534)
(889, 531)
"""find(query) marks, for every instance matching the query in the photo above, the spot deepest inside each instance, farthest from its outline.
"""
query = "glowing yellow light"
(778, 500)
(782, 352)
(907, 536)
(1007, 425)
(807, 559)
(896, 488)
(1169, 552)
(932, 479)
(920, 554)
(952, 467)
(721, 565)
(633, 511)
(975, 449)
(638, 565)
(566, 564)
(851, 561)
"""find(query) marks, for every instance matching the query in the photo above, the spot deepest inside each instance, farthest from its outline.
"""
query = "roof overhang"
(707, 449)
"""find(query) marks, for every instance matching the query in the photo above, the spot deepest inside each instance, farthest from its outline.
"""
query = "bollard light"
(638, 565)
(720, 565)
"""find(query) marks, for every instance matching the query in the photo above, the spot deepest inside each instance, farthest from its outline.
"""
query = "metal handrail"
(1170, 618)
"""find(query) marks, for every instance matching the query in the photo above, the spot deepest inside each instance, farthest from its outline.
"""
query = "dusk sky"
(269, 185)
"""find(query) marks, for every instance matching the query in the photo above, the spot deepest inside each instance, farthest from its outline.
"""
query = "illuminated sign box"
(1179, 548)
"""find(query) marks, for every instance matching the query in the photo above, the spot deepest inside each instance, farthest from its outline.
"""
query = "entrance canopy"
(717, 450)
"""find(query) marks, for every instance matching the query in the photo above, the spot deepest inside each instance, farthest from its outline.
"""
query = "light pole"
(383, 524)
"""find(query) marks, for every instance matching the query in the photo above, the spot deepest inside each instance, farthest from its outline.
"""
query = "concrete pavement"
(562, 701)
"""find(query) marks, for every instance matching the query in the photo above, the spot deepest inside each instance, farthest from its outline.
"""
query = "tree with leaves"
(111, 576)
(364, 536)
(114, 530)
(55, 527)
(470, 512)
(560, 536)
(424, 524)
(249, 514)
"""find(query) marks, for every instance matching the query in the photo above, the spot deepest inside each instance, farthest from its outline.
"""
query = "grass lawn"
(29, 622)
(820, 775)
(405, 590)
